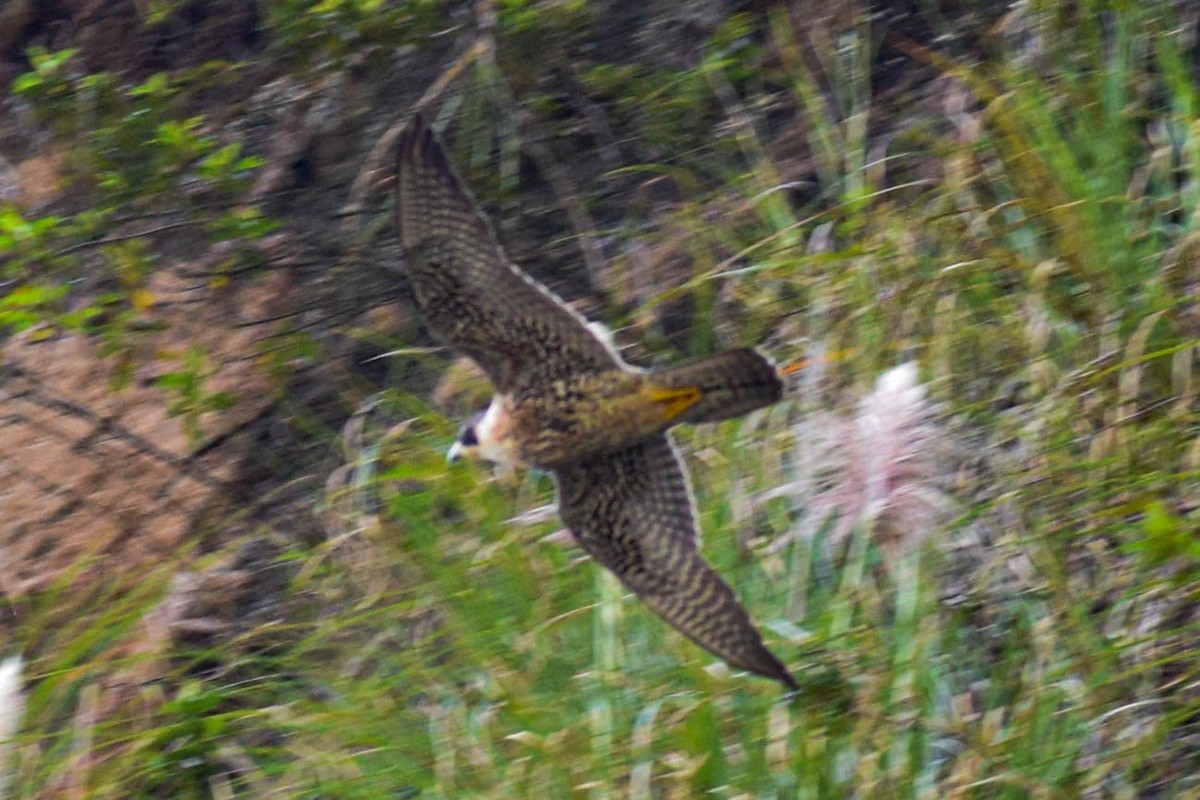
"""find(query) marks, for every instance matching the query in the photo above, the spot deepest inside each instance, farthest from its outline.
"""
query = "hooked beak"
(454, 453)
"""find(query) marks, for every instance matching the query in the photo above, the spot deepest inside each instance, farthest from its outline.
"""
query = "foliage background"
(236, 564)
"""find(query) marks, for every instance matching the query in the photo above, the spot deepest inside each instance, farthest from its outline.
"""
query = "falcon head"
(467, 445)
(488, 436)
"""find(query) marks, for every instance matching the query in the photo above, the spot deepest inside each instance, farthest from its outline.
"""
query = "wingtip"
(787, 680)
(416, 136)
(418, 147)
(766, 664)
(418, 153)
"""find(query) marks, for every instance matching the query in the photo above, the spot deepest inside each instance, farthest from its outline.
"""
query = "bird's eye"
(468, 437)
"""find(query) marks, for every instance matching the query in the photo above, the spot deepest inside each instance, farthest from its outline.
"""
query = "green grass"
(1035, 255)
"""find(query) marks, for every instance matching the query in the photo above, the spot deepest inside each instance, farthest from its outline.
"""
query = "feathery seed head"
(877, 468)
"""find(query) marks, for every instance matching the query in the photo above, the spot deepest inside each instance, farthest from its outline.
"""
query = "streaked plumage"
(566, 402)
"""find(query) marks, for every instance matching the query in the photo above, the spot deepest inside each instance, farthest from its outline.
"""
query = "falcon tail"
(718, 387)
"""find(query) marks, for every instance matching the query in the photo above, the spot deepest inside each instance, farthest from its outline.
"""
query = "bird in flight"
(565, 402)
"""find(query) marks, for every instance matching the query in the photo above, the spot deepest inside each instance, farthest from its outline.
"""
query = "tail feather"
(730, 384)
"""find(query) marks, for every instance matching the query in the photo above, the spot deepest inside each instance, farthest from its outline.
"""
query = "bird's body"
(566, 402)
(599, 413)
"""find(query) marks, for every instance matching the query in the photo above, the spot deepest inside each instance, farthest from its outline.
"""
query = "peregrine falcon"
(565, 402)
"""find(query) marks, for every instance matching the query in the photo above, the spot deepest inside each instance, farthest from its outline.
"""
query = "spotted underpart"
(566, 402)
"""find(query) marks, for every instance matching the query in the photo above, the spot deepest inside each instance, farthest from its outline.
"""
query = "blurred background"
(234, 562)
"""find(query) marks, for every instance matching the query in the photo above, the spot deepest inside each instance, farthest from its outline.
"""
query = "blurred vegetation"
(1019, 216)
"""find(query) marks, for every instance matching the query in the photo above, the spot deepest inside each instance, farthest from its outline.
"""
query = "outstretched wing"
(471, 296)
(632, 512)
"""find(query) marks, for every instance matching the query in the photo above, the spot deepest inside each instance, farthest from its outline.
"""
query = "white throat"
(494, 434)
